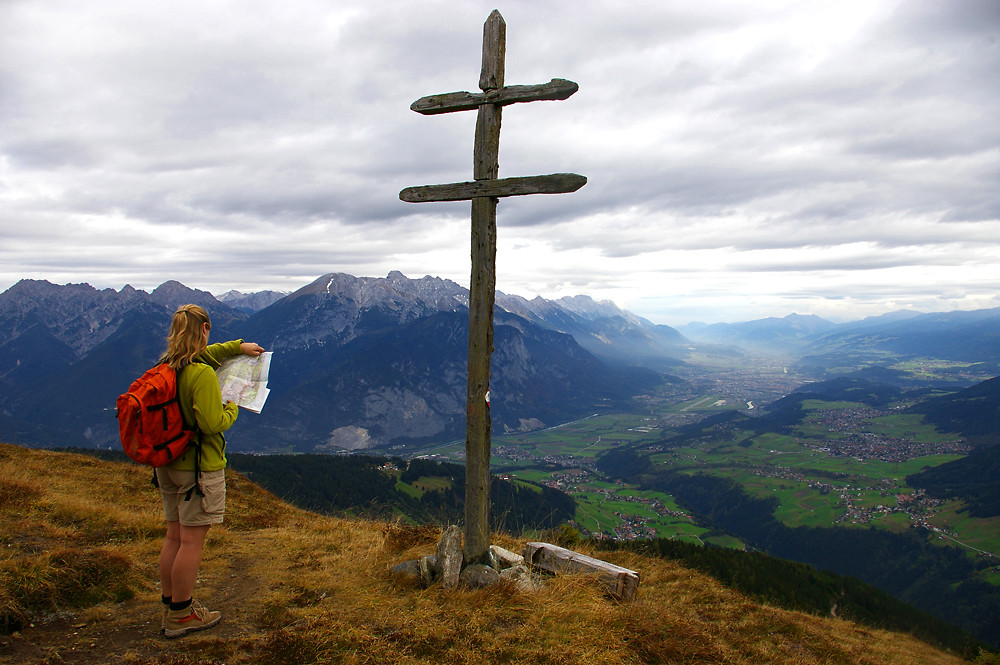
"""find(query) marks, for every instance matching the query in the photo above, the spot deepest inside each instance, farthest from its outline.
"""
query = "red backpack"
(149, 418)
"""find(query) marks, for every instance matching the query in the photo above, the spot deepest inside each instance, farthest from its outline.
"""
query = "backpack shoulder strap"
(195, 443)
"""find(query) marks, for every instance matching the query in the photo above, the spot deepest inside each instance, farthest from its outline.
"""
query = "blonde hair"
(186, 339)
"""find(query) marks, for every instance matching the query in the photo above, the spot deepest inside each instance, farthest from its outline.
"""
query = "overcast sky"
(745, 159)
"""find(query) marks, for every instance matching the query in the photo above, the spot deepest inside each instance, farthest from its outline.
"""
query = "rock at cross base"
(522, 577)
(505, 558)
(449, 557)
(423, 570)
(409, 569)
(478, 576)
(428, 569)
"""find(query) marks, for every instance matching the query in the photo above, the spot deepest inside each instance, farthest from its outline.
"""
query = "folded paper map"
(243, 380)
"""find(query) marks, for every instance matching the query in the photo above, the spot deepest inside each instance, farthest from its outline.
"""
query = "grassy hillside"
(79, 540)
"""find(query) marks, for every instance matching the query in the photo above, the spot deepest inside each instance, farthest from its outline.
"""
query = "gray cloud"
(728, 146)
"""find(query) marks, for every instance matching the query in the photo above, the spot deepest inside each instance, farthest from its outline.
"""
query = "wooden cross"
(484, 192)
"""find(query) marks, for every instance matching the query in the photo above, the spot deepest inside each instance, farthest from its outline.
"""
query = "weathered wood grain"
(482, 292)
(491, 74)
(621, 583)
(557, 183)
(554, 90)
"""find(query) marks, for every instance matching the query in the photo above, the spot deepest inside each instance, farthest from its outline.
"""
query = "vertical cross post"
(484, 192)
(482, 293)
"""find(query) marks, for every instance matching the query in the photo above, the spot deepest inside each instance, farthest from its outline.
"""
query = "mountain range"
(363, 362)
(359, 362)
(819, 346)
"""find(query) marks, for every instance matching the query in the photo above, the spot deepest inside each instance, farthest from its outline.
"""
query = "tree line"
(363, 485)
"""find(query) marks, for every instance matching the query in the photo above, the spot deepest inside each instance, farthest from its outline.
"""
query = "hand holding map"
(243, 380)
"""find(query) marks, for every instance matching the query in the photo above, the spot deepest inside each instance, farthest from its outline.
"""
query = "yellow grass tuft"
(79, 540)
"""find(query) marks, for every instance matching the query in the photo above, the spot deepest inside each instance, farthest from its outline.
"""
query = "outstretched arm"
(251, 349)
(214, 354)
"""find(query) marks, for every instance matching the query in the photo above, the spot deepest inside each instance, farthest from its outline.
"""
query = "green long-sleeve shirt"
(201, 405)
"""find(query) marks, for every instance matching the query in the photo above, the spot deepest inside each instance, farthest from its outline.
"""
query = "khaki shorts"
(199, 510)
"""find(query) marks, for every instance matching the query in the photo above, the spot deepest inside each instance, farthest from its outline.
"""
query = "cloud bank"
(745, 159)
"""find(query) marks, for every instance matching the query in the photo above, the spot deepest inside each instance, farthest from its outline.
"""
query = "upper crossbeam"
(556, 89)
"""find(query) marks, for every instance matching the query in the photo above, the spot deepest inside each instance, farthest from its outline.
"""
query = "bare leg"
(180, 559)
(171, 543)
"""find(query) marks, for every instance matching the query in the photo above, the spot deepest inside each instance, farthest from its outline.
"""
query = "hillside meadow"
(80, 537)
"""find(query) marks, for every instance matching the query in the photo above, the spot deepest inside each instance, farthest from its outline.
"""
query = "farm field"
(982, 534)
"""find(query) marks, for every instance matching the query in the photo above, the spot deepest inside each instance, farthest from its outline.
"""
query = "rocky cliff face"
(77, 315)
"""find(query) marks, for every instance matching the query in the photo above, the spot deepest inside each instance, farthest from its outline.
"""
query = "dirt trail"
(130, 631)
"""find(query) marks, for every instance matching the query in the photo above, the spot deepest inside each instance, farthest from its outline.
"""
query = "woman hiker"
(188, 514)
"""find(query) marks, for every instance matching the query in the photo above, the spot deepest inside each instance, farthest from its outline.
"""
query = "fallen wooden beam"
(621, 583)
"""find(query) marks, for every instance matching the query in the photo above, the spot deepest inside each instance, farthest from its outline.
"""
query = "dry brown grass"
(79, 540)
